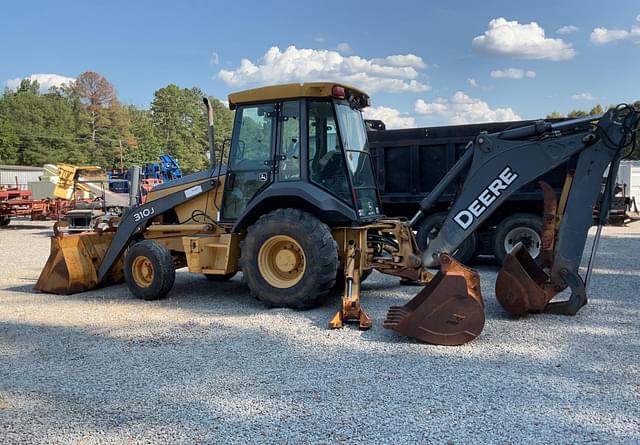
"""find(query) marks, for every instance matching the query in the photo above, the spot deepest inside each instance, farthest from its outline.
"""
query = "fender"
(328, 208)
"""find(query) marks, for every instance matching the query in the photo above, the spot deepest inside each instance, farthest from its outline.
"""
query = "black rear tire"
(149, 270)
(313, 240)
(4, 221)
(524, 227)
(429, 229)
(225, 277)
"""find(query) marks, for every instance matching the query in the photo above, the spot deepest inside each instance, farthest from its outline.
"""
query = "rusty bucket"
(73, 264)
(449, 311)
(522, 286)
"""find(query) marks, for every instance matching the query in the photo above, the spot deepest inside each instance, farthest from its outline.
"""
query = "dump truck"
(297, 211)
(408, 163)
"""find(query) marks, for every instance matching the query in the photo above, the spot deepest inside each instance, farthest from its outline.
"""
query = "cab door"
(251, 158)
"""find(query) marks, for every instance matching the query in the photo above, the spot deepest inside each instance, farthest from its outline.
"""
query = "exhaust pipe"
(211, 132)
(134, 186)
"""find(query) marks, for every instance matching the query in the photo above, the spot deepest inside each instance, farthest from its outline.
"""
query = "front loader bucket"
(73, 264)
(522, 286)
(449, 311)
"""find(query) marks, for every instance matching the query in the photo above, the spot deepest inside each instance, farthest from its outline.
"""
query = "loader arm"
(138, 217)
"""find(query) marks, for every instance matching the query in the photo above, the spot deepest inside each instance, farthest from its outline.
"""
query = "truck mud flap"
(449, 311)
(73, 264)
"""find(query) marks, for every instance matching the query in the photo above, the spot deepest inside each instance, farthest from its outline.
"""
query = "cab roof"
(293, 90)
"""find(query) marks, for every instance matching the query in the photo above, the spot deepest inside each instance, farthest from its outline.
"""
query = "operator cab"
(311, 133)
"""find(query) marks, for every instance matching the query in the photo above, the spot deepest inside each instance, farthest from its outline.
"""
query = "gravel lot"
(210, 364)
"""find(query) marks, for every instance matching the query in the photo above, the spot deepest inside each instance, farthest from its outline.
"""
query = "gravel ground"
(210, 365)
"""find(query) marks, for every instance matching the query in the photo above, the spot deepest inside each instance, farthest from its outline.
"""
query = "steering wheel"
(328, 158)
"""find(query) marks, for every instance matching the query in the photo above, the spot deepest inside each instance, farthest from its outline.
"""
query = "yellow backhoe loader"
(296, 209)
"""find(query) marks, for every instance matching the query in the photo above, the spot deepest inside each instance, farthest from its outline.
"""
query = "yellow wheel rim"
(281, 261)
(142, 270)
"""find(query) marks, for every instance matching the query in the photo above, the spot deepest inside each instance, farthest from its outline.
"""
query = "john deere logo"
(464, 218)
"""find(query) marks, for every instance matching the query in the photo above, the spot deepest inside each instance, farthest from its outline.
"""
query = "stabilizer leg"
(351, 309)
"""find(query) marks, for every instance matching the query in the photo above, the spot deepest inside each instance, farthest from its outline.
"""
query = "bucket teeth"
(448, 311)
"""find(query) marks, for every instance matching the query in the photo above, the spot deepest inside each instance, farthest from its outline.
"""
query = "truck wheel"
(4, 221)
(521, 227)
(429, 229)
(149, 270)
(216, 277)
(289, 259)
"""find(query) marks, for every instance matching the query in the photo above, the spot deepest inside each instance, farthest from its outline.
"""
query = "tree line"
(634, 152)
(84, 123)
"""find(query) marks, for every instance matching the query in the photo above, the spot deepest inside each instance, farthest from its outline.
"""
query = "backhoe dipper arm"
(502, 163)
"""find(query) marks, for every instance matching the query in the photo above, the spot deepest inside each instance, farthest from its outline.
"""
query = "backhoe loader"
(296, 209)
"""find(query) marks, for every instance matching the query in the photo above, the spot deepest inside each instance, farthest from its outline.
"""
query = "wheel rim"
(142, 271)
(281, 261)
(525, 235)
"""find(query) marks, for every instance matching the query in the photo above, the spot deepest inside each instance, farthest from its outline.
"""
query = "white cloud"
(513, 73)
(464, 109)
(583, 96)
(343, 48)
(45, 81)
(510, 38)
(397, 73)
(567, 29)
(472, 82)
(439, 107)
(215, 59)
(602, 36)
(390, 116)
(402, 60)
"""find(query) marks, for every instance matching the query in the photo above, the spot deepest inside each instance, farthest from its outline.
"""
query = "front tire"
(289, 259)
(149, 270)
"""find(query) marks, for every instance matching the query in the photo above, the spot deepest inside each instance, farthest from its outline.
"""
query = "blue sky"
(459, 61)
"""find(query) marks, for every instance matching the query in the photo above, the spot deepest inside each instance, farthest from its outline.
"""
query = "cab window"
(289, 151)
(326, 160)
(253, 144)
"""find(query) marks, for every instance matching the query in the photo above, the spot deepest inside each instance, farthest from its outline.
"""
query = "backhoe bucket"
(449, 311)
(522, 286)
(73, 264)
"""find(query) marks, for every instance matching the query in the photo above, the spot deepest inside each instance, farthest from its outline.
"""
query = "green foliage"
(636, 151)
(598, 109)
(577, 113)
(178, 116)
(35, 128)
(143, 144)
(9, 141)
(555, 115)
(85, 124)
(180, 120)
